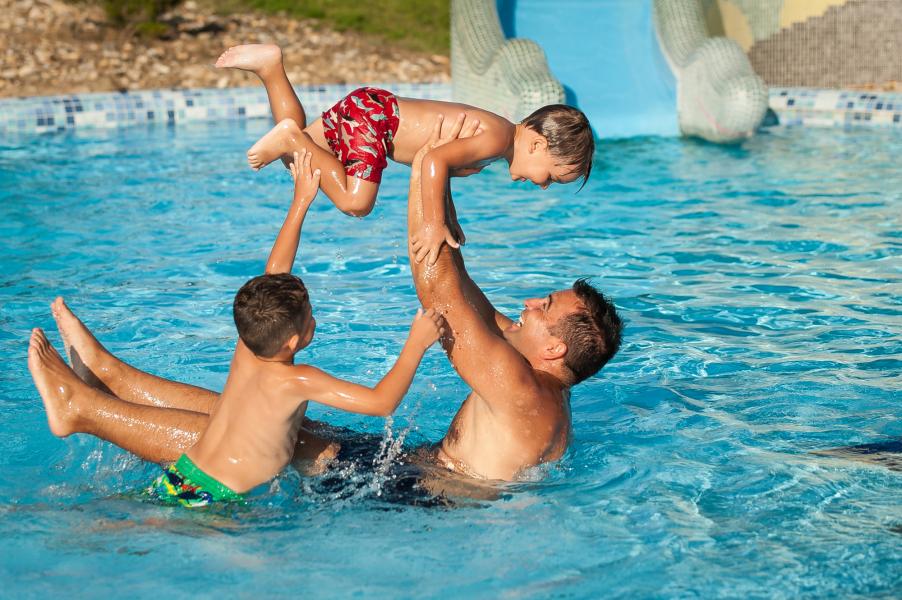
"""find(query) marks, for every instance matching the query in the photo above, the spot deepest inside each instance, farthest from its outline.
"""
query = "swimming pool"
(761, 285)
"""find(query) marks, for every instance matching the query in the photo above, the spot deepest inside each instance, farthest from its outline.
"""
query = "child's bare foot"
(76, 337)
(84, 351)
(55, 382)
(280, 140)
(255, 58)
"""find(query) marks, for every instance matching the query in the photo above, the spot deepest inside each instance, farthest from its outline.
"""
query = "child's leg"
(154, 434)
(351, 195)
(100, 369)
(265, 60)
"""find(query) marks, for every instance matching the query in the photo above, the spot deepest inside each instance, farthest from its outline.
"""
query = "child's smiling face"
(533, 162)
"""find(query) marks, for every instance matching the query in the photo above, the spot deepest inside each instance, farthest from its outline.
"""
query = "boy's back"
(254, 425)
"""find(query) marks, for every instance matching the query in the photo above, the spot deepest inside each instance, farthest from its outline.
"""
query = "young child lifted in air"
(353, 139)
(254, 423)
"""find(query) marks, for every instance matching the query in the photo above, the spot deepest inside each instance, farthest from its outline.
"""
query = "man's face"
(532, 331)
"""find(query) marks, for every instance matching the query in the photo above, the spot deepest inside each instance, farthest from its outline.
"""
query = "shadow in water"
(886, 454)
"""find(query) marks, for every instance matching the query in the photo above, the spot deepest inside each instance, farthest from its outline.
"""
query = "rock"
(52, 47)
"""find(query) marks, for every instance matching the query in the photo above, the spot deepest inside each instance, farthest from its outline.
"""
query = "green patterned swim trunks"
(187, 485)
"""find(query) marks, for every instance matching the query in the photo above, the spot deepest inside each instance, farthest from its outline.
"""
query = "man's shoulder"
(515, 376)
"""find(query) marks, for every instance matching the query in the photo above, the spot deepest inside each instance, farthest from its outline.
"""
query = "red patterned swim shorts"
(360, 130)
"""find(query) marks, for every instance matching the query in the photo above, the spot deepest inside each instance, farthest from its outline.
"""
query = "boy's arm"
(453, 224)
(382, 400)
(434, 171)
(285, 248)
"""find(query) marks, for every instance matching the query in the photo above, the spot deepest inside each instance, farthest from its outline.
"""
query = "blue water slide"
(608, 58)
(606, 55)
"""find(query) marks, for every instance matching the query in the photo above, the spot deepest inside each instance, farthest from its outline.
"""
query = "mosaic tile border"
(836, 108)
(48, 114)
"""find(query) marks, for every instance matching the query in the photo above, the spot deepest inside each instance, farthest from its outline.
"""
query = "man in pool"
(518, 413)
(517, 416)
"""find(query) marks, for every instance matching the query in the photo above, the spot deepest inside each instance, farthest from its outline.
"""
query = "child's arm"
(384, 398)
(453, 224)
(434, 173)
(285, 248)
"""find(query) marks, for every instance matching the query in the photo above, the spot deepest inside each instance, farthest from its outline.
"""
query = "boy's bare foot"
(84, 351)
(55, 382)
(255, 58)
(280, 140)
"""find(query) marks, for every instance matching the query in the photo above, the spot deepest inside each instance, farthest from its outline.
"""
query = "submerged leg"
(100, 369)
(265, 61)
(154, 434)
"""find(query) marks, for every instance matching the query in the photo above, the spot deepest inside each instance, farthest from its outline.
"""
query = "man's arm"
(434, 170)
(306, 183)
(475, 326)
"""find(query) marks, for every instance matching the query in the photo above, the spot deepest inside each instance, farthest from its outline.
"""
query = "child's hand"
(454, 225)
(427, 327)
(427, 242)
(306, 183)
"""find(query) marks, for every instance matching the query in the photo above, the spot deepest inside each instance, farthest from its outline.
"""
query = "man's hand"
(428, 326)
(306, 183)
(457, 132)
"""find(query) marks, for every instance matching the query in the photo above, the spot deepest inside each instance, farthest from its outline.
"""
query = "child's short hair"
(268, 310)
(569, 135)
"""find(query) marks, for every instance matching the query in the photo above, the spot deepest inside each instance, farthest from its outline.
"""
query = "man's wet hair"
(592, 333)
(268, 310)
(569, 135)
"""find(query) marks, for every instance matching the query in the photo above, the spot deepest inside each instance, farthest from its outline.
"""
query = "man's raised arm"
(473, 323)
(448, 277)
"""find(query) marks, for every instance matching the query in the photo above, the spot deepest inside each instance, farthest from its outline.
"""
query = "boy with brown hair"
(253, 425)
(352, 141)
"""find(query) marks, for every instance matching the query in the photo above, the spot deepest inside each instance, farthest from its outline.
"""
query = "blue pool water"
(760, 284)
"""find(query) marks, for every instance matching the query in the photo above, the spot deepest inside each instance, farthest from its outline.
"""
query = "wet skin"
(518, 414)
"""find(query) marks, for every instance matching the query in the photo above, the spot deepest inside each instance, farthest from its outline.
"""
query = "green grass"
(422, 25)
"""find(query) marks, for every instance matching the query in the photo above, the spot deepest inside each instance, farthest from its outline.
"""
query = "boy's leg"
(100, 369)
(154, 434)
(144, 401)
(352, 195)
(265, 61)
